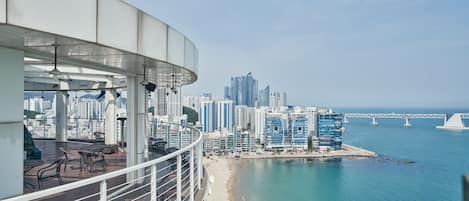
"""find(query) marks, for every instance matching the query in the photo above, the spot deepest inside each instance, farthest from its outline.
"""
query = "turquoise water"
(440, 159)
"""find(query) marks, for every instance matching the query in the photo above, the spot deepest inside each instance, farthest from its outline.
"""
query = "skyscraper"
(264, 96)
(244, 90)
(283, 99)
(241, 116)
(259, 129)
(299, 130)
(245, 117)
(225, 115)
(207, 115)
(330, 130)
(277, 99)
(227, 92)
(167, 103)
(276, 127)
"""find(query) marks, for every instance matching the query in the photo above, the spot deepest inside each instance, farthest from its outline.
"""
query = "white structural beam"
(141, 122)
(61, 116)
(110, 117)
(11, 122)
(136, 123)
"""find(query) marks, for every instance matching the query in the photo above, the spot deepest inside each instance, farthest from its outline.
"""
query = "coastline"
(347, 151)
(222, 170)
(221, 173)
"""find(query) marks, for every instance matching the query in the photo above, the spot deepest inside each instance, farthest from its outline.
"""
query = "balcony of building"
(116, 50)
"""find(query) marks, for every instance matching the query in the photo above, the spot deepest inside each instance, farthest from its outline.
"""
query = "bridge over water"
(406, 116)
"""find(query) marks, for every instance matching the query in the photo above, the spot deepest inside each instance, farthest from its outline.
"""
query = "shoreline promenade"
(347, 151)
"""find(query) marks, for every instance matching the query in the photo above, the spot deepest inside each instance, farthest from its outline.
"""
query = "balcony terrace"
(107, 46)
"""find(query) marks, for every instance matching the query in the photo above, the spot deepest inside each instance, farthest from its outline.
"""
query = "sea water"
(419, 163)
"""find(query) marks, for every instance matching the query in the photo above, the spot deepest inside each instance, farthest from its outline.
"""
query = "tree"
(31, 114)
(192, 115)
(310, 144)
(151, 110)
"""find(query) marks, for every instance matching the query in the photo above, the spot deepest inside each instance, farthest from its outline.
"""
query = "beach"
(221, 171)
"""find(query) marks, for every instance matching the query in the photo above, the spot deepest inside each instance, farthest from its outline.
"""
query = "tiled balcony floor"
(50, 152)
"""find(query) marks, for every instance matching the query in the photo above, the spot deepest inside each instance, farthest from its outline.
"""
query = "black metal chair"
(85, 160)
(88, 160)
(67, 158)
(51, 171)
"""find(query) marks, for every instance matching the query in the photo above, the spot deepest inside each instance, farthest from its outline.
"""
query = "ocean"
(419, 163)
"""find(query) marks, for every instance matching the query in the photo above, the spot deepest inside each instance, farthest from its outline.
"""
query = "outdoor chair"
(85, 160)
(88, 160)
(67, 158)
(51, 171)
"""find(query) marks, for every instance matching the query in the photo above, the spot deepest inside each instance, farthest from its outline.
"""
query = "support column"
(374, 121)
(110, 117)
(136, 122)
(11, 122)
(61, 116)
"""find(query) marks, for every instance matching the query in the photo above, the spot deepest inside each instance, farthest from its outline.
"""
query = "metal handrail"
(104, 177)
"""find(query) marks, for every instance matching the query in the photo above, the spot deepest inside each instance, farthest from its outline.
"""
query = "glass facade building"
(207, 116)
(299, 130)
(276, 128)
(244, 90)
(225, 115)
(330, 130)
(264, 96)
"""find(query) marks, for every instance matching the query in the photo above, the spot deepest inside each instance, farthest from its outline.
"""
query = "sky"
(330, 53)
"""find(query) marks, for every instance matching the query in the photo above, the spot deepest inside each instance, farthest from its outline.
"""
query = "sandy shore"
(221, 171)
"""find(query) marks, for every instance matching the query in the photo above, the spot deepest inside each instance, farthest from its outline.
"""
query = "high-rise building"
(34, 104)
(167, 102)
(90, 108)
(283, 99)
(244, 90)
(299, 130)
(193, 102)
(241, 116)
(227, 92)
(245, 117)
(277, 99)
(207, 115)
(264, 96)
(160, 107)
(225, 115)
(330, 130)
(276, 127)
(259, 129)
(312, 115)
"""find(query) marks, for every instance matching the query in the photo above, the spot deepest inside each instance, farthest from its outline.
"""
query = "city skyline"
(396, 51)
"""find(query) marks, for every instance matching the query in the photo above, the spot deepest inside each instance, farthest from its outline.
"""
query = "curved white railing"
(143, 180)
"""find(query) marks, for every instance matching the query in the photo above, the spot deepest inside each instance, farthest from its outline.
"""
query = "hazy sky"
(342, 53)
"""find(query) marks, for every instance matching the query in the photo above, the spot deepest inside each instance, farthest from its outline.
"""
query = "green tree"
(310, 144)
(31, 114)
(151, 110)
(192, 115)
